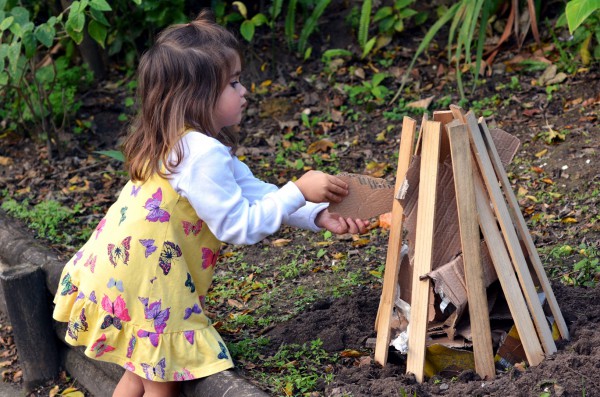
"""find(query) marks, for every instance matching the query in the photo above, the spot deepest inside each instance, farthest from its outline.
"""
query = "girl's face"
(231, 103)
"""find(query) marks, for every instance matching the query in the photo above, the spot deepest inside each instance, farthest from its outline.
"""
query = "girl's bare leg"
(160, 389)
(130, 385)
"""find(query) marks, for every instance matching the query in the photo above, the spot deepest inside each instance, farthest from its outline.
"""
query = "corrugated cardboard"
(368, 197)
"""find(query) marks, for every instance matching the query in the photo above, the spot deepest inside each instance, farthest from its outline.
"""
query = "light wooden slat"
(506, 276)
(392, 262)
(444, 117)
(523, 230)
(420, 134)
(470, 240)
(510, 235)
(419, 303)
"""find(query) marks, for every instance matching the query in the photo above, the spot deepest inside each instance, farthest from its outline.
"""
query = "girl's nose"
(243, 90)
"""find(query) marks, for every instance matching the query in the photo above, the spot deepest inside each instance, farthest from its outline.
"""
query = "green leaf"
(6, 22)
(241, 8)
(336, 52)
(16, 29)
(2, 4)
(97, 32)
(76, 22)
(311, 25)
(259, 19)
(369, 46)
(247, 30)
(114, 154)
(578, 10)
(378, 78)
(30, 44)
(76, 36)
(21, 15)
(402, 3)
(290, 23)
(99, 16)
(3, 77)
(14, 52)
(399, 25)
(383, 12)
(363, 27)
(100, 5)
(386, 24)
(45, 34)
(138, 2)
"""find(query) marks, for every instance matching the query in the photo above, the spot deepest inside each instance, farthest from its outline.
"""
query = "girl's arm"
(254, 189)
(206, 177)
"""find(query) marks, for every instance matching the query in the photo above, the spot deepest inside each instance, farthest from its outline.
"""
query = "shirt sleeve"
(238, 212)
(254, 189)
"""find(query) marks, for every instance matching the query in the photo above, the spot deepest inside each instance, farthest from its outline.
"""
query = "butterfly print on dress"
(191, 310)
(119, 253)
(100, 346)
(77, 257)
(153, 372)
(149, 246)
(91, 262)
(123, 215)
(189, 227)
(135, 190)
(223, 354)
(184, 374)
(118, 284)
(153, 311)
(131, 346)
(117, 312)
(73, 327)
(169, 253)
(209, 257)
(155, 213)
(100, 227)
(190, 283)
(68, 287)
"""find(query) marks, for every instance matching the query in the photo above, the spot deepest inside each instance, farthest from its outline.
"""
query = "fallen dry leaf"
(281, 242)
(322, 146)
(422, 103)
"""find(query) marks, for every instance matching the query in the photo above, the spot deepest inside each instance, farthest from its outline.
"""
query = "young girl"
(134, 293)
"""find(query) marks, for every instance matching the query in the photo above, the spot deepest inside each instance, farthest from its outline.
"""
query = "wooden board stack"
(486, 207)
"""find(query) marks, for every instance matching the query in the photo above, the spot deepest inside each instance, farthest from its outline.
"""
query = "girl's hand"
(338, 225)
(320, 187)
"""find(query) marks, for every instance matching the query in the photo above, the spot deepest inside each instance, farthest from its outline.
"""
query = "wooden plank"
(418, 145)
(457, 112)
(444, 117)
(419, 303)
(510, 235)
(470, 241)
(392, 262)
(523, 231)
(506, 276)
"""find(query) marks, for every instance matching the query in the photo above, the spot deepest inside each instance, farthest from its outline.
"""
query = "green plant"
(465, 17)
(45, 217)
(369, 90)
(583, 20)
(249, 25)
(34, 86)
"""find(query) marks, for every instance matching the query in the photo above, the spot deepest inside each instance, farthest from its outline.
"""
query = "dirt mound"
(347, 323)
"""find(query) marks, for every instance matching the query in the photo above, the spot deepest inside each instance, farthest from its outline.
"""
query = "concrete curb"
(18, 247)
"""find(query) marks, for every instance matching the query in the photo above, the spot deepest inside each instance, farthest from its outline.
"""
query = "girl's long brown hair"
(179, 82)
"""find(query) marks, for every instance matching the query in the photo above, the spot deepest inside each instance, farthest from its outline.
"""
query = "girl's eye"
(234, 83)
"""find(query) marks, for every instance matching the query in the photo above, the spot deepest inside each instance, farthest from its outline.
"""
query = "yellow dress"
(134, 293)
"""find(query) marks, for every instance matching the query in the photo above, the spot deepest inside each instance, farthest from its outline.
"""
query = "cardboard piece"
(368, 197)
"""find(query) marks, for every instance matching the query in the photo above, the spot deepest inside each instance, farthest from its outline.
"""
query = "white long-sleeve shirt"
(236, 206)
